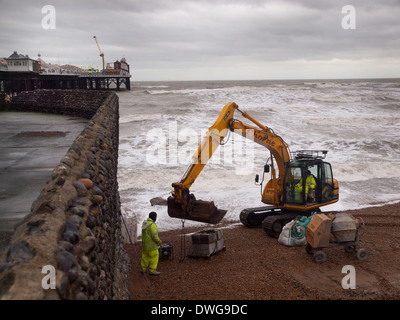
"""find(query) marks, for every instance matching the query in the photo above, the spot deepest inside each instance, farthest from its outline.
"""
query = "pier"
(103, 82)
(26, 81)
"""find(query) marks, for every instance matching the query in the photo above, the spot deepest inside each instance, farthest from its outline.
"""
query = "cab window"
(327, 189)
(293, 192)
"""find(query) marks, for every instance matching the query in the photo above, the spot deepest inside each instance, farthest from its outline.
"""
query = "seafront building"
(122, 66)
(22, 63)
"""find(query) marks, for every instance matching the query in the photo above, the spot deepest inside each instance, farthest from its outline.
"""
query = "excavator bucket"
(196, 210)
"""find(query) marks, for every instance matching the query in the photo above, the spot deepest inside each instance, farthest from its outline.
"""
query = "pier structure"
(99, 81)
(14, 82)
(19, 73)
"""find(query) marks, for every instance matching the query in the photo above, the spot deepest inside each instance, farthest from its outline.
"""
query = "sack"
(294, 232)
(284, 237)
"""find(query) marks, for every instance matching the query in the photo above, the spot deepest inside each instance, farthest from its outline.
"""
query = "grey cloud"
(173, 33)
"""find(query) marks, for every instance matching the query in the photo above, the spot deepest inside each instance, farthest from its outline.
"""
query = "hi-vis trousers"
(150, 260)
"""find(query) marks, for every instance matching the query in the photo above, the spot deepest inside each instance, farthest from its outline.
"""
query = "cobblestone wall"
(72, 237)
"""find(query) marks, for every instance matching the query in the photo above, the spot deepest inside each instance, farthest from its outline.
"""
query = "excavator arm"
(182, 204)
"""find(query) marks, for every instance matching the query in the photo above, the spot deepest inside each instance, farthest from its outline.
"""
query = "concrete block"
(207, 243)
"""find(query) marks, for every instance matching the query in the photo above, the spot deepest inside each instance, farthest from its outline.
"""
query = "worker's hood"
(146, 223)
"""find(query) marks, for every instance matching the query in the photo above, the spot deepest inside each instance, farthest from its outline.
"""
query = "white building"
(20, 62)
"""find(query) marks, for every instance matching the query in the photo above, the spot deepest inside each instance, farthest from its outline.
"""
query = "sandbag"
(294, 232)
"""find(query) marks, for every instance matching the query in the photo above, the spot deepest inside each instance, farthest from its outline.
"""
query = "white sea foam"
(140, 117)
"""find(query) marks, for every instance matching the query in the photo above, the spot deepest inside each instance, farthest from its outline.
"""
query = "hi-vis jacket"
(150, 239)
(310, 184)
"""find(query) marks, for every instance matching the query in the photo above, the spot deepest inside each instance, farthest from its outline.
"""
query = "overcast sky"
(212, 39)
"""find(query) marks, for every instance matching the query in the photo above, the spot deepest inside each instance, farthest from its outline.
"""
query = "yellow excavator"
(300, 182)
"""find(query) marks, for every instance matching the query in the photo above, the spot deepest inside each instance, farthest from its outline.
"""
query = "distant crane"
(101, 54)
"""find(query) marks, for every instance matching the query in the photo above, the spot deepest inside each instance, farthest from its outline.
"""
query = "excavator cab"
(309, 180)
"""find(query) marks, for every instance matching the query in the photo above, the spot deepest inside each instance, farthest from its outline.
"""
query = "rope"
(297, 231)
(138, 260)
(183, 242)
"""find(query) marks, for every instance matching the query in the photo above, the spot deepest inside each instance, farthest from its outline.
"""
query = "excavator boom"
(182, 204)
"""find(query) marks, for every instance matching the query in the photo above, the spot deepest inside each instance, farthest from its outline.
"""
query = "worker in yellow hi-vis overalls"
(310, 186)
(150, 244)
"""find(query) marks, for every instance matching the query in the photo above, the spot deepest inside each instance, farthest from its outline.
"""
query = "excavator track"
(253, 217)
(273, 225)
(270, 218)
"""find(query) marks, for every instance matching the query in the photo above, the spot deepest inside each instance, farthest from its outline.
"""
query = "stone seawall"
(79, 103)
(72, 237)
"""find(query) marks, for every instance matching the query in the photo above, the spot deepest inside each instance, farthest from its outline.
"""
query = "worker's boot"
(154, 273)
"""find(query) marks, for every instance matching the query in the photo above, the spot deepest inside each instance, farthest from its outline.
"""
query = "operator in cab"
(150, 245)
(310, 186)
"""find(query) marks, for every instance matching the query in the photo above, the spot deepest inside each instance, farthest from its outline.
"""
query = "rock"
(86, 282)
(84, 263)
(73, 274)
(97, 198)
(86, 175)
(87, 244)
(158, 201)
(60, 170)
(65, 260)
(75, 220)
(94, 210)
(91, 157)
(80, 188)
(81, 202)
(71, 233)
(88, 232)
(90, 222)
(62, 284)
(97, 191)
(90, 173)
(68, 161)
(19, 252)
(35, 227)
(93, 271)
(100, 179)
(67, 246)
(74, 154)
(78, 210)
(60, 181)
(87, 183)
